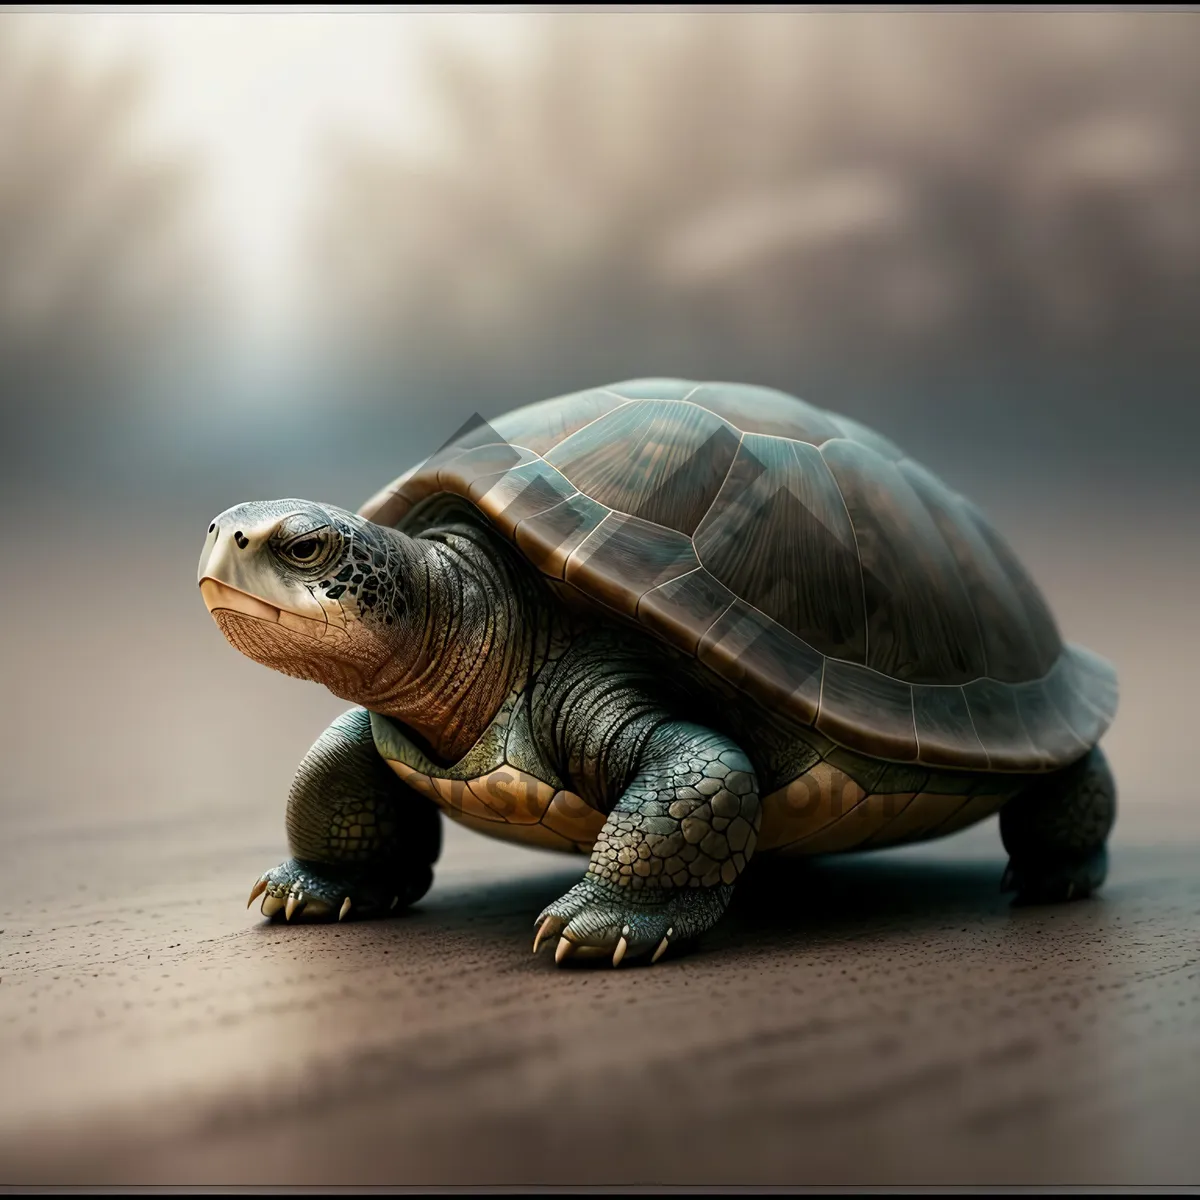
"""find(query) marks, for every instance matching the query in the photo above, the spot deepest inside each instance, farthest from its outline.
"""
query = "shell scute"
(523, 492)
(540, 427)
(996, 721)
(779, 537)
(659, 460)
(625, 557)
(1010, 652)
(548, 538)
(682, 610)
(756, 653)
(766, 410)
(1049, 732)
(473, 473)
(920, 624)
(945, 735)
(859, 704)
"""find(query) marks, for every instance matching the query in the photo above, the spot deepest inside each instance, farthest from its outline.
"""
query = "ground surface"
(872, 1020)
(895, 1023)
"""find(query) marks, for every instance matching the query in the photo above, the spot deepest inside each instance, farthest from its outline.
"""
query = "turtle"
(671, 626)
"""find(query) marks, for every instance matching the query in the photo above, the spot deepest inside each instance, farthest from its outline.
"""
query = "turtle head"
(313, 591)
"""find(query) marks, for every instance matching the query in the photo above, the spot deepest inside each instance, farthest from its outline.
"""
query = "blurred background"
(248, 255)
(264, 254)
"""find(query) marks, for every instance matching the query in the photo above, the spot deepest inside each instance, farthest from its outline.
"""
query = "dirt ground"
(862, 1021)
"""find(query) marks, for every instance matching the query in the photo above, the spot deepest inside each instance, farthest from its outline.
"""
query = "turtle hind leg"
(362, 841)
(1055, 833)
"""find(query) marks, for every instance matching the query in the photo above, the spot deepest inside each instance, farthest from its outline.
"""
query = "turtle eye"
(306, 549)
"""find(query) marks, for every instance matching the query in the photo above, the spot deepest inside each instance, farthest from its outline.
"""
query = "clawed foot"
(1055, 883)
(317, 892)
(596, 919)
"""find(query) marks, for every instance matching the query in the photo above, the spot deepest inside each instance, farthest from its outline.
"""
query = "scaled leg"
(663, 868)
(362, 840)
(1055, 833)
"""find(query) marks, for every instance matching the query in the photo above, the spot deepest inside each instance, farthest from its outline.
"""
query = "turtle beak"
(219, 596)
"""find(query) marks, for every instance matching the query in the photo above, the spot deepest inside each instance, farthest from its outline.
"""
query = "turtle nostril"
(241, 540)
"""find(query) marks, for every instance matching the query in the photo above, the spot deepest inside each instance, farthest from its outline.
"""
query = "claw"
(294, 902)
(662, 946)
(271, 905)
(619, 952)
(1008, 881)
(563, 949)
(395, 901)
(1070, 890)
(256, 891)
(549, 927)
(344, 909)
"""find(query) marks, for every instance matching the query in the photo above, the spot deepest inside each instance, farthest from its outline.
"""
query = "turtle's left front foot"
(321, 891)
(600, 919)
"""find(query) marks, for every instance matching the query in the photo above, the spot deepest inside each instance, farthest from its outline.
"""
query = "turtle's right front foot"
(321, 891)
(364, 843)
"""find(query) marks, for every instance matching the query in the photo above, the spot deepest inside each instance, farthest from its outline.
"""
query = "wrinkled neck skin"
(471, 625)
(435, 631)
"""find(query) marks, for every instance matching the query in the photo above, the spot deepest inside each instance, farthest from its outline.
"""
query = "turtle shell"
(800, 555)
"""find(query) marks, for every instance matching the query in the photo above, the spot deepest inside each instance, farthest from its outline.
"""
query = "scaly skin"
(682, 803)
(361, 840)
(663, 868)
(1055, 833)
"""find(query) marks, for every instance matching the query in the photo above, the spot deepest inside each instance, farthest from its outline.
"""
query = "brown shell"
(797, 553)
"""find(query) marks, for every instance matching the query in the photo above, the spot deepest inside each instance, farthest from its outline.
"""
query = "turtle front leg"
(361, 840)
(663, 868)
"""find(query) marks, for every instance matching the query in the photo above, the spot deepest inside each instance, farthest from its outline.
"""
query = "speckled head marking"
(315, 592)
